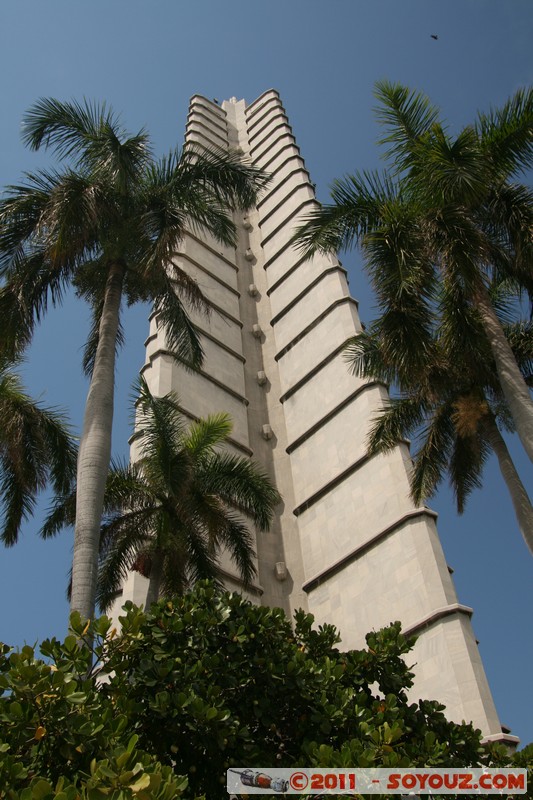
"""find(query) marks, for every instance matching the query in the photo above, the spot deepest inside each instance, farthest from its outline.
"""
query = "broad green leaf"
(141, 783)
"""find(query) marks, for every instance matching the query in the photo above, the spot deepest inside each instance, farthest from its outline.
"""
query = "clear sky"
(146, 59)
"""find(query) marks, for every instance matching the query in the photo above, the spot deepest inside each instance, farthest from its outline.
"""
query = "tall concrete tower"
(347, 544)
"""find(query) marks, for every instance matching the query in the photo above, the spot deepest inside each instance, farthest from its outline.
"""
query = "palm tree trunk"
(95, 451)
(514, 387)
(519, 496)
(156, 575)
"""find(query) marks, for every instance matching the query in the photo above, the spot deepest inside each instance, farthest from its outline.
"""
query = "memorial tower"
(348, 544)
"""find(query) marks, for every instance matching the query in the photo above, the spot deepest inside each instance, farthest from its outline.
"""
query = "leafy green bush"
(63, 738)
(205, 682)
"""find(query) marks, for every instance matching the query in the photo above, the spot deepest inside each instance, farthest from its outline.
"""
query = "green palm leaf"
(206, 434)
(466, 464)
(36, 449)
(431, 460)
(359, 203)
(408, 118)
(88, 132)
(505, 133)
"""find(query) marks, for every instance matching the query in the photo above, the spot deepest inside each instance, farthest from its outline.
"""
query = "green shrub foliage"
(205, 682)
(63, 738)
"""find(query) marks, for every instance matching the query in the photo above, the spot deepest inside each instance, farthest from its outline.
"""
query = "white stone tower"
(348, 544)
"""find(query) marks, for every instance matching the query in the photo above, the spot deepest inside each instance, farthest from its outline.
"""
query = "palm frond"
(205, 434)
(123, 539)
(59, 213)
(357, 207)
(227, 177)
(398, 420)
(506, 133)
(507, 216)
(74, 215)
(241, 484)
(182, 337)
(59, 450)
(460, 333)
(453, 170)
(17, 499)
(61, 514)
(226, 529)
(125, 523)
(520, 337)
(36, 448)
(64, 127)
(16, 325)
(48, 229)
(363, 355)
(408, 117)
(406, 340)
(467, 459)
(24, 300)
(201, 555)
(124, 487)
(21, 212)
(172, 206)
(239, 541)
(397, 257)
(89, 131)
(161, 420)
(160, 434)
(431, 460)
(462, 247)
(119, 158)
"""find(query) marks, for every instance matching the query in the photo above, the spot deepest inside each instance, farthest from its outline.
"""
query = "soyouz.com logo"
(417, 780)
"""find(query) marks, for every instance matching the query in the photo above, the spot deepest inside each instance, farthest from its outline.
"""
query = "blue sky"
(146, 59)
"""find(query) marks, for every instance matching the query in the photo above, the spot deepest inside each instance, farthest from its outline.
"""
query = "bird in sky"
(434, 36)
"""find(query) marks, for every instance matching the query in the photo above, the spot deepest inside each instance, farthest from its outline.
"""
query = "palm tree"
(447, 211)
(168, 514)
(35, 449)
(108, 223)
(450, 401)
